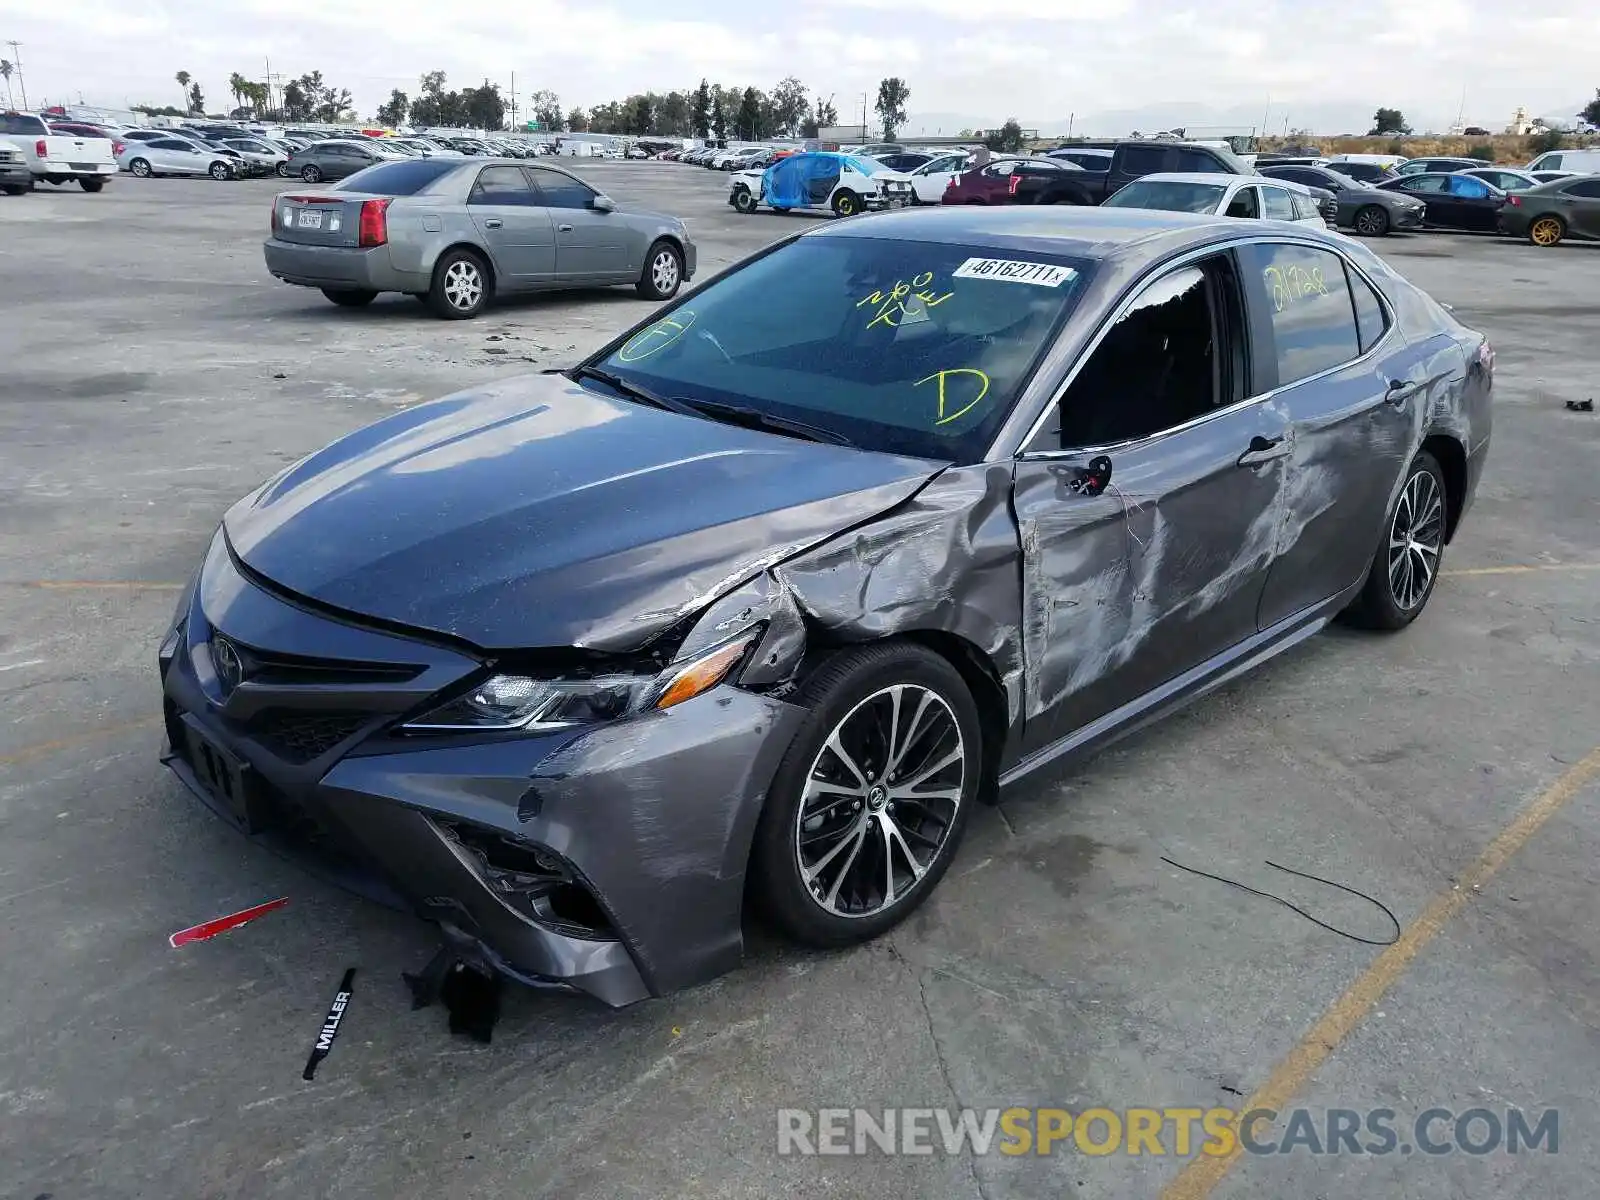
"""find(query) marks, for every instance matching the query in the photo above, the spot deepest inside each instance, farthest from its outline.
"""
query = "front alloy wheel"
(1372, 221)
(868, 805)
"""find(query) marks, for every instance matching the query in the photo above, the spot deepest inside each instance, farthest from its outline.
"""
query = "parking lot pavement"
(151, 372)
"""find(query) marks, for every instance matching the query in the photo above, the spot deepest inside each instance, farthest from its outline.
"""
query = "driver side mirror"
(603, 204)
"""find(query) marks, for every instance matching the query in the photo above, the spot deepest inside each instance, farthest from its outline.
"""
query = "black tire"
(1383, 603)
(838, 690)
(141, 168)
(744, 200)
(92, 185)
(662, 274)
(1372, 220)
(780, 211)
(351, 298)
(220, 171)
(18, 189)
(283, 170)
(846, 203)
(311, 173)
(451, 295)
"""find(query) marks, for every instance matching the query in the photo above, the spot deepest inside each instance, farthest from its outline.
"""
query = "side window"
(1305, 208)
(1277, 204)
(1160, 365)
(1307, 298)
(1468, 187)
(1371, 321)
(1584, 187)
(1192, 160)
(1425, 183)
(502, 185)
(1550, 162)
(563, 191)
(1141, 160)
(1244, 203)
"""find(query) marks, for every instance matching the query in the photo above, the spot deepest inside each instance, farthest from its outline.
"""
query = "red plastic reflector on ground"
(210, 929)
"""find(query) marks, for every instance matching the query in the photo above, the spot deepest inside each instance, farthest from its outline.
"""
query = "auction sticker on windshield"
(1014, 271)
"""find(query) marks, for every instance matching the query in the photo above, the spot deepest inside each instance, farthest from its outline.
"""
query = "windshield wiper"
(754, 418)
(633, 391)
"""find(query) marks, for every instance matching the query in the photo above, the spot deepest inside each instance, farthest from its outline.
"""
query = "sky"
(1107, 66)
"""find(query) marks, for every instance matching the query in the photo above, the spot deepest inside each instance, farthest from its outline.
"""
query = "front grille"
(299, 737)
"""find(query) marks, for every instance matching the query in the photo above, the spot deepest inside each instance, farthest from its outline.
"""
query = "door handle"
(1263, 449)
(494, 222)
(563, 228)
(1400, 391)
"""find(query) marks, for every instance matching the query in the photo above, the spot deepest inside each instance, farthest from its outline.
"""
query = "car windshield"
(906, 347)
(866, 166)
(1171, 195)
(403, 177)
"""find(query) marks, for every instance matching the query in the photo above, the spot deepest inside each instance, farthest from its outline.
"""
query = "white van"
(1579, 162)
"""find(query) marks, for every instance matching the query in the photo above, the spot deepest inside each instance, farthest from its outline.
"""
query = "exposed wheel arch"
(1452, 459)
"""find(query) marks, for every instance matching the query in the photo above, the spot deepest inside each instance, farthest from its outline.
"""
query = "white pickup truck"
(59, 158)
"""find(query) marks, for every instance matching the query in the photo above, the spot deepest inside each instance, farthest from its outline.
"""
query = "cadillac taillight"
(374, 228)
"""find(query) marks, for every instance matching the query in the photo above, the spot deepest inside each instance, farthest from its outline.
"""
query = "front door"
(1579, 203)
(1128, 587)
(515, 227)
(591, 246)
(1354, 396)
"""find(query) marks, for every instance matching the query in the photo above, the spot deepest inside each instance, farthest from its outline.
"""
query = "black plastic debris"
(330, 1026)
(470, 994)
(1581, 405)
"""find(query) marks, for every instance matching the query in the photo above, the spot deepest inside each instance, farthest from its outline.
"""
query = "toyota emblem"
(230, 668)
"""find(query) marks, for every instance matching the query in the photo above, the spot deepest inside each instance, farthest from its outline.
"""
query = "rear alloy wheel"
(219, 171)
(460, 286)
(846, 204)
(1406, 565)
(311, 173)
(744, 201)
(869, 803)
(91, 185)
(349, 298)
(283, 170)
(663, 272)
(1372, 221)
(140, 168)
(1547, 231)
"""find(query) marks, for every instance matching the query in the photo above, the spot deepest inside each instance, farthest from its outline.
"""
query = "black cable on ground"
(1295, 907)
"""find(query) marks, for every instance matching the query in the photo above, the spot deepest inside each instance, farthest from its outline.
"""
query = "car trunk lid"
(319, 218)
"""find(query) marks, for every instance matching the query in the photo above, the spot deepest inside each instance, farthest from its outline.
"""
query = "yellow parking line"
(1466, 571)
(76, 739)
(1200, 1177)
(124, 585)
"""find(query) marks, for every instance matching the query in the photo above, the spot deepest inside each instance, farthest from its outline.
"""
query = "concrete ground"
(151, 372)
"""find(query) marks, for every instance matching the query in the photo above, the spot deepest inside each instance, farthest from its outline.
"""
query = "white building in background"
(1520, 125)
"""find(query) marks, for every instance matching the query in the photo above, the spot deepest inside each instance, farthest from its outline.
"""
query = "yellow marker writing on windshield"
(891, 306)
(949, 396)
(655, 338)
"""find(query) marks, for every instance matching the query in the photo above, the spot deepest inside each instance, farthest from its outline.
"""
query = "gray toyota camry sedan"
(758, 602)
(458, 232)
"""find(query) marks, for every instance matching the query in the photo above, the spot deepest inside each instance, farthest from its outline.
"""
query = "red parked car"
(1017, 180)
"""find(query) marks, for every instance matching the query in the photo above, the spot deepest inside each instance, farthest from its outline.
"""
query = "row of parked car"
(1372, 195)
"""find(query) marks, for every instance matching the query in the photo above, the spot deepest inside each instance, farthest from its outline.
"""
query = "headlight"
(505, 702)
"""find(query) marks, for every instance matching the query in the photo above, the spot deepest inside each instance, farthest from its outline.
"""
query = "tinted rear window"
(400, 178)
(22, 124)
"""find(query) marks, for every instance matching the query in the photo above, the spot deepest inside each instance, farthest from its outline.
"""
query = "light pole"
(16, 61)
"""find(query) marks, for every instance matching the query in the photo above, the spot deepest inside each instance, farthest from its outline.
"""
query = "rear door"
(1477, 204)
(591, 247)
(1129, 587)
(515, 226)
(1352, 392)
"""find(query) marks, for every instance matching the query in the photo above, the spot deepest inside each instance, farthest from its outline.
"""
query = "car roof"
(1070, 230)
(1220, 178)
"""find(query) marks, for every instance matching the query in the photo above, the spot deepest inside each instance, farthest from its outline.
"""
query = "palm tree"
(237, 84)
(183, 78)
(5, 72)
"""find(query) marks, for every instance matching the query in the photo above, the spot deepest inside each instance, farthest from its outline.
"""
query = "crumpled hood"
(535, 513)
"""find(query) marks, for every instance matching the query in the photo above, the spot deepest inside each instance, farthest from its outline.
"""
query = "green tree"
(546, 108)
(891, 107)
(748, 122)
(1007, 139)
(789, 107)
(484, 107)
(236, 84)
(700, 114)
(1389, 120)
(1591, 111)
(823, 115)
(393, 114)
(183, 78)
(1545, 141)
(578, 121)
(641, 114)
(673, 113)
(719, 119)
(197, 100)
(295, 105)
(6, 68)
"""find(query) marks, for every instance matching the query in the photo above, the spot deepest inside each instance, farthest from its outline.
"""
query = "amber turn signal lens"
(703, 674)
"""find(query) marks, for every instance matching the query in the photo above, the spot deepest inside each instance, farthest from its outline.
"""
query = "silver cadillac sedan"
(458, 232)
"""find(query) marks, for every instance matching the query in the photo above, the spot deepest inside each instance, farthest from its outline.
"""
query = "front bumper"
(371, 269)
(646, 823)
(15, 175)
